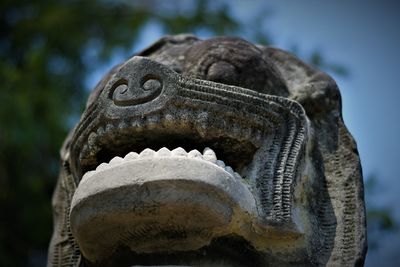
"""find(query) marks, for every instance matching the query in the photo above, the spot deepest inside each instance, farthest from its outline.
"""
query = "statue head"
(210, 153)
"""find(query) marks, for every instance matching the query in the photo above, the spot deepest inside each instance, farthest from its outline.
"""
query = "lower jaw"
(223, 251)
(165, 206)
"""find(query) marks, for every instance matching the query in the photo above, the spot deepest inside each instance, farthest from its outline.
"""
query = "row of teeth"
(202, 122)
(208, 155)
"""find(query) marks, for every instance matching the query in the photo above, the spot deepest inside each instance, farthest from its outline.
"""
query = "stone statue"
(210, 153)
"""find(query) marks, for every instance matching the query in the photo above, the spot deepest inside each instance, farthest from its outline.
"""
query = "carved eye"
(222, 72)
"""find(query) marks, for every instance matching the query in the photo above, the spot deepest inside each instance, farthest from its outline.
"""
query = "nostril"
(151, 85)
(122, 89)
(134, 92)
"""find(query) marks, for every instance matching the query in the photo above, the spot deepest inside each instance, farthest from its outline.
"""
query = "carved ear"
(316, 91)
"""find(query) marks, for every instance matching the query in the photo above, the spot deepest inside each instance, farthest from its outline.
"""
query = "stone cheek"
(278, 182)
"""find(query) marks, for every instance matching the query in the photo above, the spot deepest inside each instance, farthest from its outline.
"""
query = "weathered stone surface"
(279, 181)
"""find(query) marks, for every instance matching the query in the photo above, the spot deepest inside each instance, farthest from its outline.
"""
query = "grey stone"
(279, 181)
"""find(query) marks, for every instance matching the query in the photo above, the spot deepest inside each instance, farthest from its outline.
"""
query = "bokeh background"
(53, 52)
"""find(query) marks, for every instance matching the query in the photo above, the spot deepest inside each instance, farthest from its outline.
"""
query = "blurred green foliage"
(47, 50)
(44, 48)
(43, 67)
(380, 217)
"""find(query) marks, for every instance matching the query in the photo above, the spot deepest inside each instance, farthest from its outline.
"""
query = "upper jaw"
(147, 105)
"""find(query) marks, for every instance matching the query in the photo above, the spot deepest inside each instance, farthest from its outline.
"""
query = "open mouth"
(233, 143)
(179, 167)
(185, 200)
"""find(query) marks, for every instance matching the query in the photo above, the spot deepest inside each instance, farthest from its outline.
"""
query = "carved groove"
(288, 160)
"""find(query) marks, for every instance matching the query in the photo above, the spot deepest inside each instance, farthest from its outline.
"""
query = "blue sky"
(366, 39)
(364, 36)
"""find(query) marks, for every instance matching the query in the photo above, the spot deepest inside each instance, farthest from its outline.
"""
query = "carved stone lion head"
(210, 153)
